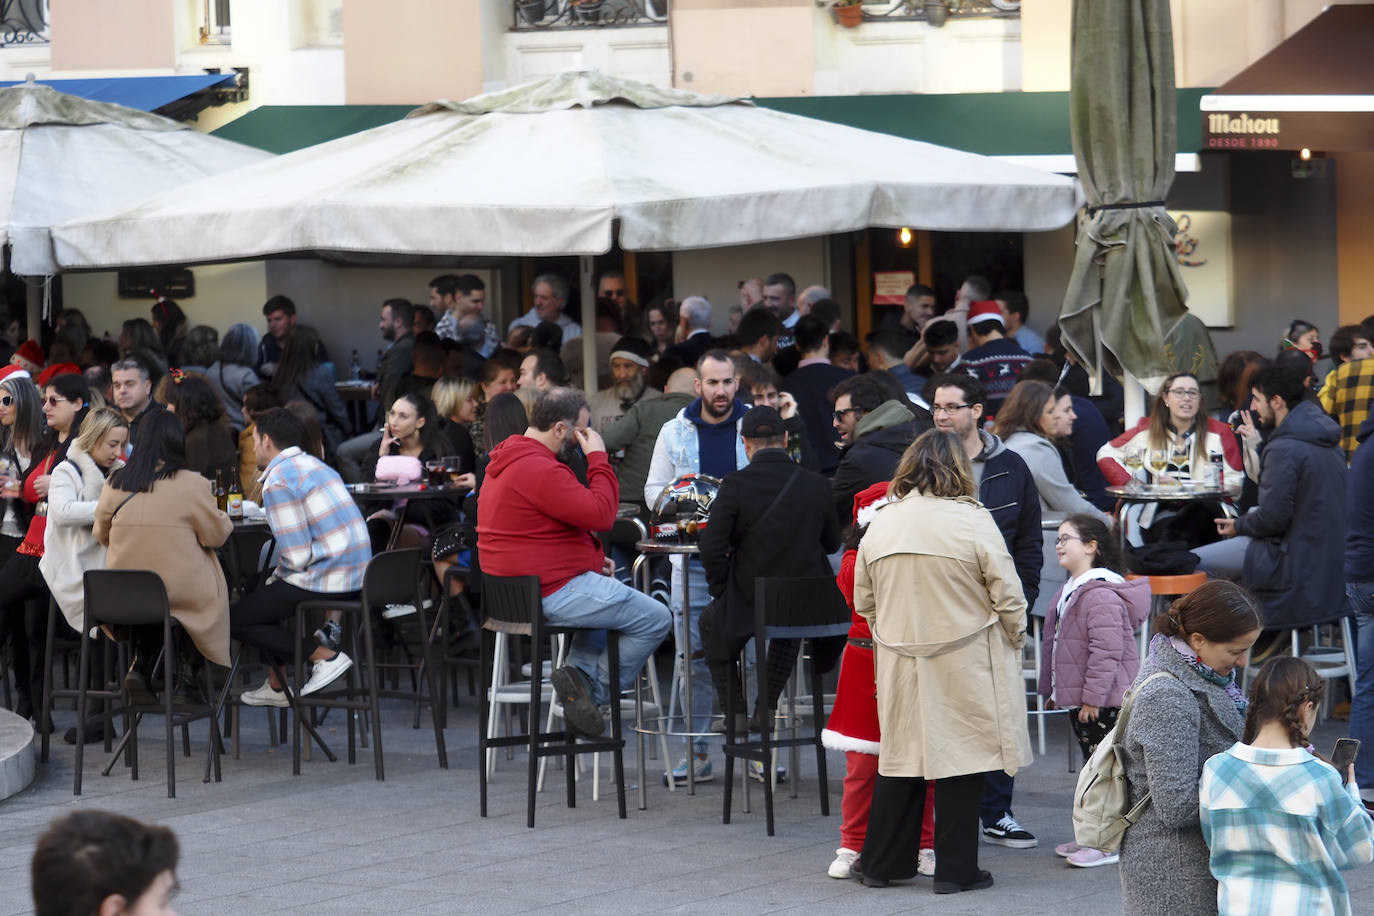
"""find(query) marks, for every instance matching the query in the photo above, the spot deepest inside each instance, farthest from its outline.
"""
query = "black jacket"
(811, 386)
(690, 350)
(1007, 490)
(882, 436)
(739, 545)
(1294, 564)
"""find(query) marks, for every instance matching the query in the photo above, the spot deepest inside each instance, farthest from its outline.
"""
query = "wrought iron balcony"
(23, 22)
(583, 14)
(937, 12)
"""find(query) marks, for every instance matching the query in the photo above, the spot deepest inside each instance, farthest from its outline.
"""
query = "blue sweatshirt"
(716, 441)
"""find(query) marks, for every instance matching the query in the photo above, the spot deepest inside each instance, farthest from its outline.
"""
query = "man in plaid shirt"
(1349, 388)
(323, 549)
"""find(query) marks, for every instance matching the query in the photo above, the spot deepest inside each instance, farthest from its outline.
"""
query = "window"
(214, 22)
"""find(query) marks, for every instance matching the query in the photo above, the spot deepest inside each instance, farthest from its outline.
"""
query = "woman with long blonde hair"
(940, 592)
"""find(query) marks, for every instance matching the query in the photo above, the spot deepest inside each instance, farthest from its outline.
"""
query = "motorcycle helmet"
(681, 510)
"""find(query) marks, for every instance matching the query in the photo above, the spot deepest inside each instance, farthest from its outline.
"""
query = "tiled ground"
(336, 841)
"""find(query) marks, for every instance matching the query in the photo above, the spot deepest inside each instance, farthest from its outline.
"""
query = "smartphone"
(1343, 755)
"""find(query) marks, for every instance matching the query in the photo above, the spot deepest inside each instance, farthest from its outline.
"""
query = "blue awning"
(146, 93)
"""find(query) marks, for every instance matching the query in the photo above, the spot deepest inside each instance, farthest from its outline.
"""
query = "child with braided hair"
(1278, 822)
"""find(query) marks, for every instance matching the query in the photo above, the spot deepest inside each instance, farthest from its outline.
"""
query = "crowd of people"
(925, 464)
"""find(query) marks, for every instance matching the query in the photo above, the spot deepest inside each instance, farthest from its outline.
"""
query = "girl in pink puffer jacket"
(1088, 651)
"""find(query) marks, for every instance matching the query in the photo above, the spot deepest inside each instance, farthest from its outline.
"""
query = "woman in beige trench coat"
(156, 515)
(941, 595)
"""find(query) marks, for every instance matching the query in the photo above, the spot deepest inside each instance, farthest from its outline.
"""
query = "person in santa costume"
(853, 724)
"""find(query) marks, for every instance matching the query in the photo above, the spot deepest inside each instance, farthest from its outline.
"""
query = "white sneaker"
(925, 863)
(756, 772)
(392, 611)
(264, 695)
(843, 859)
(323, 673)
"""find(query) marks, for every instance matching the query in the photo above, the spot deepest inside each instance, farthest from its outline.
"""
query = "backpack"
(1101, 801)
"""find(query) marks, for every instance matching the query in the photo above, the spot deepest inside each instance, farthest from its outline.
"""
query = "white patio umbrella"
(551, 167)
(62, 157)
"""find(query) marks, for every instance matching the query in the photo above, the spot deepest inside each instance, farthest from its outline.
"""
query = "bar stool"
(786, 608)
(1163, 591)
(513, 606)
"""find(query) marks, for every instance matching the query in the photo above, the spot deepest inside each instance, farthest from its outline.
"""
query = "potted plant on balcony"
(530, 10)
(586, 10)
(849, 13)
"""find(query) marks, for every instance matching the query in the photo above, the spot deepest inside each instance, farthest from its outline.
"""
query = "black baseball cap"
(762, 422)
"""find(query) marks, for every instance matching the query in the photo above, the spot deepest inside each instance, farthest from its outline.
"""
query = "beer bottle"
(235, 496)
(221, 494)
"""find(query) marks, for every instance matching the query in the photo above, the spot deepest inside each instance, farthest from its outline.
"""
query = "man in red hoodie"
(534, 518)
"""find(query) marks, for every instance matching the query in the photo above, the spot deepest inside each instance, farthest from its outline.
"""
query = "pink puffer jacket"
(1095, 659)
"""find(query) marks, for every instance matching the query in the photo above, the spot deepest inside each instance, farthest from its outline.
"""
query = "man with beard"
(395, 324)
(541, 370)
(536, 519)
(704, 438)
(1289, 549)
(629, 366)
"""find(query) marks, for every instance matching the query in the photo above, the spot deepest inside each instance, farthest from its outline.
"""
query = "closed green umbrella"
(1125, 294)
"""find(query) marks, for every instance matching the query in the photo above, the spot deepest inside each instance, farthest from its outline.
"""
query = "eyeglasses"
(1185, 394)
(1065, 538)
(54, 400)
(840, 414)
(949, 410)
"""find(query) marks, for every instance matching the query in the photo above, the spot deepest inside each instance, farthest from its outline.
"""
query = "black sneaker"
(856, 871)
(574, 691)
(137, 690)
(93, 732)
(983, 880)
(1006, 832)
(330, 635)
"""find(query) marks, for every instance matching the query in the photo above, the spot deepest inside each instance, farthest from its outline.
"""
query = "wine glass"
(1178, 457)
(1133, 461)
(1159, 460)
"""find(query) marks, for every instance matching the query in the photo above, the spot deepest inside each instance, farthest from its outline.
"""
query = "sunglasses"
(54, 400)
(6, 400)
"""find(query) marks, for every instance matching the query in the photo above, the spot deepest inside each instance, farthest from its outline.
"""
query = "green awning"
(284, 128)
(991, 123)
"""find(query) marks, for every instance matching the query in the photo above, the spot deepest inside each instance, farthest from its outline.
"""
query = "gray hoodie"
(1057, 494)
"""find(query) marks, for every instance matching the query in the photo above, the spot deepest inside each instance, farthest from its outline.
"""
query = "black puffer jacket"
(880, 439)
(1294, 564)
(1007, 490)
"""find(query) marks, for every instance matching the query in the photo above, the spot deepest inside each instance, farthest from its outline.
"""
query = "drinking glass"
(1134, 462)
(453, 467)
(1159, 460)
(435, 468)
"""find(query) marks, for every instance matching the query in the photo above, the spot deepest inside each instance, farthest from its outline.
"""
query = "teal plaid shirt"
(1281, 827)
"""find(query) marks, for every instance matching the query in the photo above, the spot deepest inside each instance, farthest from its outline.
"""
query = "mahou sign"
(1324, 131)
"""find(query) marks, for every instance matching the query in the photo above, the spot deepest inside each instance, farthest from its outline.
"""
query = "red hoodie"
(534, 517)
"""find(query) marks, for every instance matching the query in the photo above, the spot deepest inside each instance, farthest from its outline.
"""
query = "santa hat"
(13, 371)
(868, 501)
(57, 369)
(29, 356)
(985, 310)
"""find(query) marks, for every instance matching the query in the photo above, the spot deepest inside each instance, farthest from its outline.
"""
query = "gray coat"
(1175, 726)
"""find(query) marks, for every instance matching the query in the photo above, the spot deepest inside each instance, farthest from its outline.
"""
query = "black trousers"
(892, 846)
(23, 602)
(257, 619)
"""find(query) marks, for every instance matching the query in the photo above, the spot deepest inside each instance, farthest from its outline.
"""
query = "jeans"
(702, 691)
(1224, 559)
(996, 801)
(1359, 597)
(593, 602)
(263, 619)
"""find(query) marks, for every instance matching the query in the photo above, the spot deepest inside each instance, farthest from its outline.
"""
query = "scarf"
(1229, 681)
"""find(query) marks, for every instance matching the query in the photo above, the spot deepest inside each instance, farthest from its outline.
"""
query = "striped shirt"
(321, 535)
(1281, 827)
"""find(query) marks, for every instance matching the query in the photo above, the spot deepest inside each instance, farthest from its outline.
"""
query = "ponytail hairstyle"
(1092, 528)
(1219, 611)
(1279, 690)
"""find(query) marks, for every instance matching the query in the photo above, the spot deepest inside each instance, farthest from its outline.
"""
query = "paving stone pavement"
(336, 841)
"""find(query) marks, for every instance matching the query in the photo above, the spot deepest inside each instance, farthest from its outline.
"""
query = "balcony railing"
(23, 22)
(582, 14)
(937, 12)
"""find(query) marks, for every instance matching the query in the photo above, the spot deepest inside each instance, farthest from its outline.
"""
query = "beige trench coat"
(940, 592)
(173, 531)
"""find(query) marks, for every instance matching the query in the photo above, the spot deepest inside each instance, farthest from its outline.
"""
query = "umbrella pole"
(1134, 399)
(34, 302)
(590, 369)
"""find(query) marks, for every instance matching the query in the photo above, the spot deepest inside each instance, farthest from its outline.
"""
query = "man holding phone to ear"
(535, 519)
(1359, 597)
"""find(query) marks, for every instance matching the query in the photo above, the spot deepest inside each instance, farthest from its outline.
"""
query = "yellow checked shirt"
(1346, 396)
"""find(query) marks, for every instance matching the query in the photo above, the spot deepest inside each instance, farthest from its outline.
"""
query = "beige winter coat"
(173, 531)
(940, 592)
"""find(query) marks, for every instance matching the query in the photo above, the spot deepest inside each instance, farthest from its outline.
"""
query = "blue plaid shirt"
(321, 535)
(1281, 827)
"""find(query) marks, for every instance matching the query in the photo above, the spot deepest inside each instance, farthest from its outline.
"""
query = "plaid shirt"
(1280, 827)
(320, 532)
(1348, 391)
(447, 327)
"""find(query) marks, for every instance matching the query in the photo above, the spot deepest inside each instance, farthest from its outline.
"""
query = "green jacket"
(636, 433)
